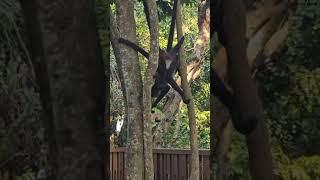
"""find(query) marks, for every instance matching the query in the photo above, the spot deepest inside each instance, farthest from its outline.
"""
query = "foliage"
(303, 43)
(203, 125)
(182, 139)
(238, 157)
(304, 168)
(290, 89)
(286, 168)
(165, 6)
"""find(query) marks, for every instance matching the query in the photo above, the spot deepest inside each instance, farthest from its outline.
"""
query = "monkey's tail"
(134, 46)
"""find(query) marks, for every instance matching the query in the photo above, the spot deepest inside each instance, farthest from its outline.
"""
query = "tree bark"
(151, 10)
(130, 69)
(64, 41)
(191, 112)
(204, 28)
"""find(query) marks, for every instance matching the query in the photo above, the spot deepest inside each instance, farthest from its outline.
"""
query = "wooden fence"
(169, 164)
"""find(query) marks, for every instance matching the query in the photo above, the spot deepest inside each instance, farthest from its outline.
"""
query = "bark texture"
(151, 8)
(64, 42)
(130, 69)
(191, 111)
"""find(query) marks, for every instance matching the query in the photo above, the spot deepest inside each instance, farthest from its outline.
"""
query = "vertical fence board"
(168, 166)
(201, 167)
(114, 164)
(161, 172)
(121, 166)
(174, 167)
(206, 164)
(183, 167)
(188, 160)
(155, 156)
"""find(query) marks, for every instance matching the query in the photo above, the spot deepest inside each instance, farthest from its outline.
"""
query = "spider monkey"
(167, 67)
(227, 98)
(168, 62)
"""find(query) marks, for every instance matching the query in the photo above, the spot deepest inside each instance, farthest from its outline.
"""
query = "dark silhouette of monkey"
(219, 89)
(167, 68)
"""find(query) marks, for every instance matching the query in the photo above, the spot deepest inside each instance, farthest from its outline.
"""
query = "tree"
(67, 61)
(151, 9)
(132, 80)
(191, 109)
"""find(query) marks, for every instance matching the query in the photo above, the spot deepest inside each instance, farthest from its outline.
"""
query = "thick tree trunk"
(64, 41)
(204, 28)
(151, 10)
(191, 110)
(130, 69)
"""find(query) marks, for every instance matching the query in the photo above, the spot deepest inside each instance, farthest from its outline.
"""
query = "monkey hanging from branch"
(244, 121)
(168, 61)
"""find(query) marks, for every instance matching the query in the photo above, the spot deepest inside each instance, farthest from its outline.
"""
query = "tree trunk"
(130, 69)
(64, 42)
(191, 112)
(204, 28)
(151, 10)
(267, 28)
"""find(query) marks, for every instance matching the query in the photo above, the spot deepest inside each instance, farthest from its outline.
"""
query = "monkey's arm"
(134, 46)
(172, 25)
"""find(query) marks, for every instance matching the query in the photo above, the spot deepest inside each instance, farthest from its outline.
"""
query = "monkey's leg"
(220, 90)
(176, 87)
(161, 95)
